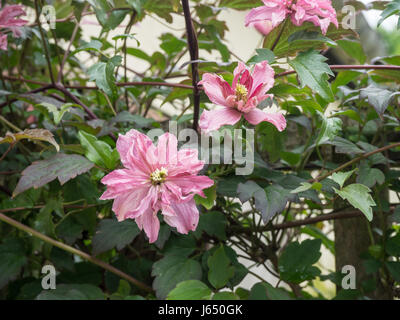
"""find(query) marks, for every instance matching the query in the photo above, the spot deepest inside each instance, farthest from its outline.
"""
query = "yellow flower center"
(241, 92)
(158, 176)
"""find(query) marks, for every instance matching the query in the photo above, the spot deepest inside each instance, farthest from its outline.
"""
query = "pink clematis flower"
(240, 99)
(266, 18)
(9, 20)
(156, 178)
(319, 12)
(269, 16)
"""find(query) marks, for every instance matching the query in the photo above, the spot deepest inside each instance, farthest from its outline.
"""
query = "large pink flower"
(266, 18)
(9, 20)
(247, 91)
(319, 12)
(156, 178)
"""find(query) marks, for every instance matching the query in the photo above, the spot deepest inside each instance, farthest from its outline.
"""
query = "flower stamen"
(241, 93)
(158, 176)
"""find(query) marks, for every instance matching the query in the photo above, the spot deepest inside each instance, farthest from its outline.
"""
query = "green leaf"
(303, 187)
(345, 146)
(378, 98)
(58, 112)
(262, 55)
(62, 166)
(111, 233)
(103, 74)
(12, 258)
(93, 45)
(220, 269)
(392, 8)
(264, 291)
(393, 246)
(319, 234)
(31, 134)
(329, 129)
(296, 261)
(225, 295)
(72, 292)
(369, 176)
(268, 201)
(239, 4)
(304, 35)
(359, 197)
(213, 223)
(394, 269)
(108, 16)
(210, 197)
(341, 177)
(190, 290)
(98, 151)
(171, 270)
(171, 44)
(286, 48)
(313, 72)
(44, 220)
(354, 49)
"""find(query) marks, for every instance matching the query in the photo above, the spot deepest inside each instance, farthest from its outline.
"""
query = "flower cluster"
(161, 178)
(247, 91)
(266, 18)
(156, 178)
(9, 20)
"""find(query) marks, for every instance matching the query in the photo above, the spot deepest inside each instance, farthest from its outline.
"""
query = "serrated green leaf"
(62, 166)
(313, 72)
(190, 290)
(359, 197)
(341, 177)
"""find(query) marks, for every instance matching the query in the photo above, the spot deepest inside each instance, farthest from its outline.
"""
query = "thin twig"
(80, 253)
(355, 160)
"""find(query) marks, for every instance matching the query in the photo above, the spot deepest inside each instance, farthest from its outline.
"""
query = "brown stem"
(73, 250)
(76, 100)
(7, 151)
(355, 160)
(194, 55)
(46, 50)
(348, 67)
(41, 89)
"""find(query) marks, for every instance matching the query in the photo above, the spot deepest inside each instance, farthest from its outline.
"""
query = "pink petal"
(167, 149)
(263, 74)
(271, 15)
(8, 15)
(213, 120)
(122, 180)
(186, 218)
(125, 206)
(127, 141)
(264, 27)
(256, 116)
(216, 88)
(150, 223)
(241, 67)
(190, 184)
